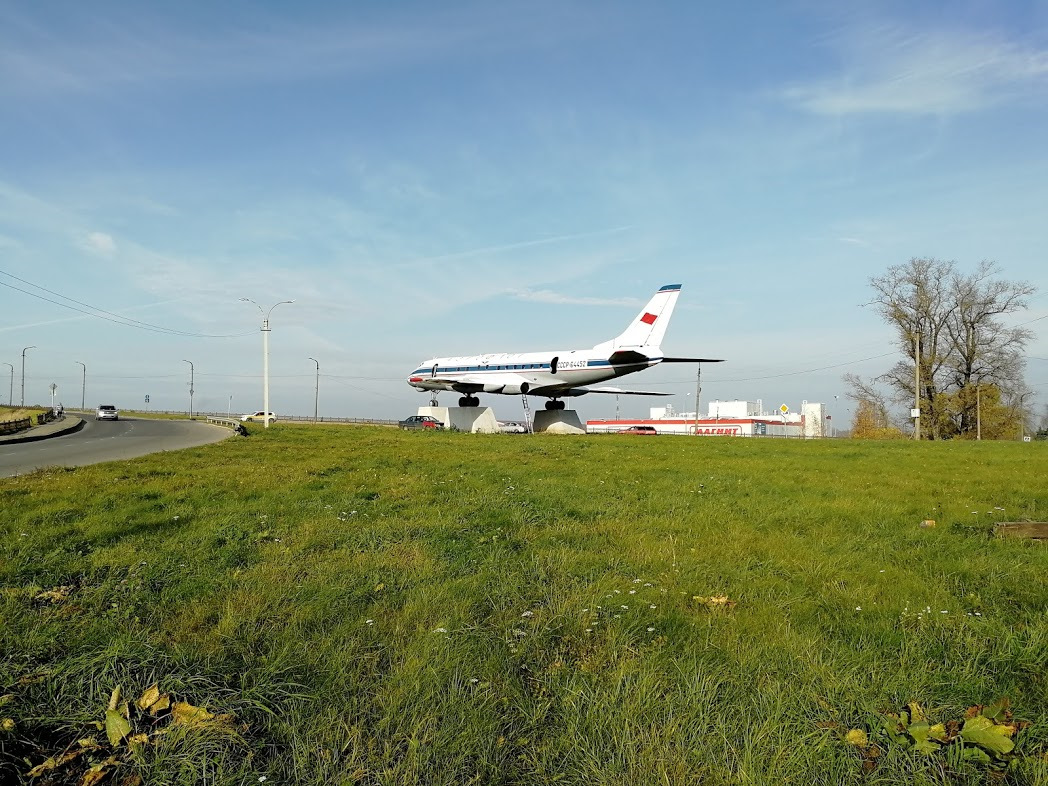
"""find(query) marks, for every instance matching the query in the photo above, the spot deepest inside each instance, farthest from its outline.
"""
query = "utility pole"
(917, 387)
(265, 355)
(23, 371)
(698, 394)
(11, 392)
(316, 391)
(191, 381)
(83, 387)
(229, 406)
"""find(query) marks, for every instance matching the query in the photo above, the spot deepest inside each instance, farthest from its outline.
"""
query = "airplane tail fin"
(649, 326)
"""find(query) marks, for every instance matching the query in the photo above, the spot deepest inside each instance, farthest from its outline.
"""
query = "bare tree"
(950, 320)
(983, 349)
(916, 299)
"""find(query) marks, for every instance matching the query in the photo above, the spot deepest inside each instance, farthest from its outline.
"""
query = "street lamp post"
(316, 392)
(191, 381)
(83, 386)
(23, 371)
(11, 392)
(265, 354)
(229, 406)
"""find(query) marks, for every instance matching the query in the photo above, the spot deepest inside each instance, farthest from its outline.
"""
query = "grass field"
(322, 605)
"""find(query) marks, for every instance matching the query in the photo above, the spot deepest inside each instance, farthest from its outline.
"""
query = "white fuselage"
(540, 373)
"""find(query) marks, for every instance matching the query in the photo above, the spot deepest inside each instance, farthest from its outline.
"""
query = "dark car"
(646, 430)
(421, 421)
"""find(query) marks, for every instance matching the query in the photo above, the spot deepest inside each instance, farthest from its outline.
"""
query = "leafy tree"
(952, 320)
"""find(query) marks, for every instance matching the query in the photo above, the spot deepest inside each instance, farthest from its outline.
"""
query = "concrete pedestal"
(478, 420)
(558, 421)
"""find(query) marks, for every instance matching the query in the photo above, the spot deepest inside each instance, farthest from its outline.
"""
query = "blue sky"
(442, 179)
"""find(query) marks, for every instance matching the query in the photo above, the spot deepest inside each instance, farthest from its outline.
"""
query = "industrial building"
(729, 419)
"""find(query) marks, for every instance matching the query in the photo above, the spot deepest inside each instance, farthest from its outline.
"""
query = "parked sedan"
(642, 430)
(421, 422)
(512, 427)
(258, 417)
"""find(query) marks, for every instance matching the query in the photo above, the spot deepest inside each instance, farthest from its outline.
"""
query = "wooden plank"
(1037, 530)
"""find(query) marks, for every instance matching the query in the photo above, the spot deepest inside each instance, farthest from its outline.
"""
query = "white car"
(259, 417)
(512, 427)
(106, 412)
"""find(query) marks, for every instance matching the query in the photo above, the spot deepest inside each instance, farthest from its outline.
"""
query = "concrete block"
(558, 421)
(477, 420)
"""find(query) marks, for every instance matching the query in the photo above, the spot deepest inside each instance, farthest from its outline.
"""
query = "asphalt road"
(107, 440)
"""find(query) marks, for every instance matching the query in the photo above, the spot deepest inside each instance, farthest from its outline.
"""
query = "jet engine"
(513, 388)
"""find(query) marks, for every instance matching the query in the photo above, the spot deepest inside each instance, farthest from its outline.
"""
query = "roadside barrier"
(11, 426)
(229, 423)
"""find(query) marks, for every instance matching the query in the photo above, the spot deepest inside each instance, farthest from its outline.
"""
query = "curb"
(75, 424)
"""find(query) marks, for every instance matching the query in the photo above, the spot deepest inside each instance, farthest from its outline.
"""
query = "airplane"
(559, 374)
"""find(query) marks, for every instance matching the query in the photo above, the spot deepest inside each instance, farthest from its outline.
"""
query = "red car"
(421, 422)
(647, 430)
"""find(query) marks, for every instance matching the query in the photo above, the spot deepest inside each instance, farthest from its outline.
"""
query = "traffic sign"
(784, 409)
(147, 398)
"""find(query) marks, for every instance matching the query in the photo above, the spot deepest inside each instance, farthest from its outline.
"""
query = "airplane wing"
(566, 392)
(692, 360)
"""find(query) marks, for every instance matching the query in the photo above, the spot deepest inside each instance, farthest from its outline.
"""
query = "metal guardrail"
(227, 422)
(278, 419)
(12, 426)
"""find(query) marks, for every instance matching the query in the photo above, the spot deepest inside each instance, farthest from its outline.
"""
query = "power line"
(788, 373)
(101, 312)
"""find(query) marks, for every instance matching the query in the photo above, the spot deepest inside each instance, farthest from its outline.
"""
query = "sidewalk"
(67, 424)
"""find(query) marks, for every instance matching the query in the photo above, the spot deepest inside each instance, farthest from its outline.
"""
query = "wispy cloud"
(95, 54)
(889, 70)
(100, 243)
(559, 298)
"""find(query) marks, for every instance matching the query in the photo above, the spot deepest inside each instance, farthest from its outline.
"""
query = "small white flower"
(647, 583)
(978, 614)
(176, 519)
(636, 581)
(262, 778)
(369, 622)
(473, 680)
(528, 614)
(585, 609)
(881, 570)
(589, 630)
(651, 630)
(858, 608)
(617, 616)
(440, 630)
(652, 606)
(944, 611)
(617, 592)
(633, 592)
(625, 607)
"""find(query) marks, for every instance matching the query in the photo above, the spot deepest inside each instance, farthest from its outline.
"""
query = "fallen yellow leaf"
(185, 713)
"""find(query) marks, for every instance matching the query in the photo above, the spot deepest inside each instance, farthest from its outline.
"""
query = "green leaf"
(971, 753)
(983, 732)
(921, 742)
(997, 711)
(895, 730)
(117, 727)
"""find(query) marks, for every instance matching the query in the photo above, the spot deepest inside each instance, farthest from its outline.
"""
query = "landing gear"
(469, 401)
(555, 404)
(433, 402)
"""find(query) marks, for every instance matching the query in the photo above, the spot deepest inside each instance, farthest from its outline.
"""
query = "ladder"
(527, 412)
